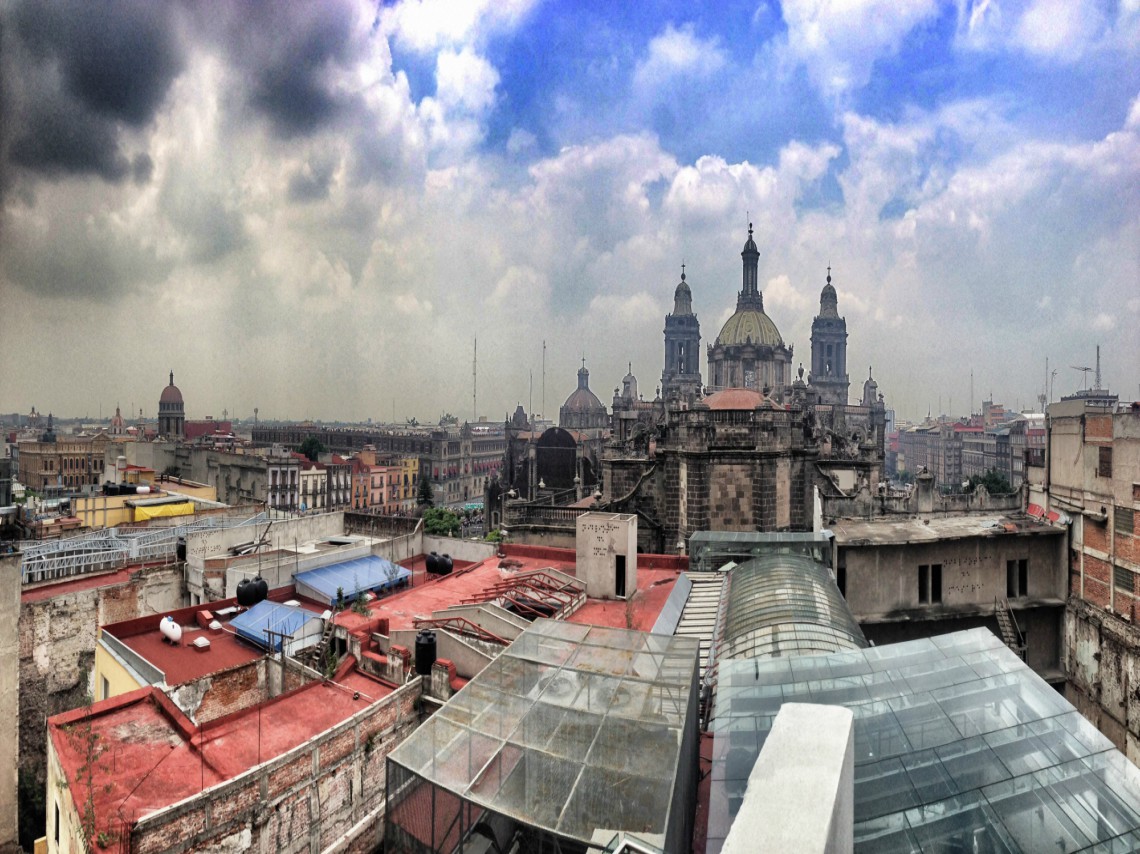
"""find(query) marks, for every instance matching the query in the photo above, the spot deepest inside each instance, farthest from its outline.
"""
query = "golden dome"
(750, 326)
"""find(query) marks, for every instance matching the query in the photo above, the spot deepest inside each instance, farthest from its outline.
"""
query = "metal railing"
(101, 551)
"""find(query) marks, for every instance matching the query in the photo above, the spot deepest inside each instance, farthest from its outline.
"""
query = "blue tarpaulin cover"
(287, 619)
(352, 577)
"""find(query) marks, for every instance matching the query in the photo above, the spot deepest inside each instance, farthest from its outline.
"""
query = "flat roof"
(160, 758)
(656, 575)
(885, 532)
(184, 663)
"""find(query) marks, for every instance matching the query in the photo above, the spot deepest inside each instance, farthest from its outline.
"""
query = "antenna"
(1098, 367)
(544, 378)
(1085, 372)
(475, 382)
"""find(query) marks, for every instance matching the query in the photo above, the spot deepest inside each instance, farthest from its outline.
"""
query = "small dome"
(750, 325)
(583, 400)
(171, 394)
(682, 296)
(734, 398)
(828, 300)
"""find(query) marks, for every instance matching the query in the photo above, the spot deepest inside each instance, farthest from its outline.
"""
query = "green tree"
(441, 522)
(424, 496)
(994, 482)
(312, 448)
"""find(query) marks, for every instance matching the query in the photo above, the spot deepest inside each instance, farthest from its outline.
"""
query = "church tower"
(682, 375)
(829, 377)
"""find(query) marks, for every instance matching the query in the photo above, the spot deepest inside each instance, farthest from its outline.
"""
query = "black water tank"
(260, 589)
(445, 564)
(247, 593)
(432, 561)
(425, 651)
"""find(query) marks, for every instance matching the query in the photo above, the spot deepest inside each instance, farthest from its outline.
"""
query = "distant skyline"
(314, 208)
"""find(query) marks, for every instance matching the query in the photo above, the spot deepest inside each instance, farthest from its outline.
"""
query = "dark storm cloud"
(76, 74)
(117, 59)
(290, 52)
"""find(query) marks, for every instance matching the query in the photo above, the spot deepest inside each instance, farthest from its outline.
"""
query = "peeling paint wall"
(56, 655)
(1102, 662)
(328, 791)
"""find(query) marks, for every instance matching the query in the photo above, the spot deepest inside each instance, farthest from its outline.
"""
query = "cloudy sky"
(315, 208)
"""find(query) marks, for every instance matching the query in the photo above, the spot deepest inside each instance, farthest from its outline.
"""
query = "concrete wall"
(475, 551)
(328, 791)
(601, 539)
(57, 636)
(9, 695)
(883, 579)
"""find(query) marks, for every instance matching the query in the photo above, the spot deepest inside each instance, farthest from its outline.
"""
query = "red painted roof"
(152, 756)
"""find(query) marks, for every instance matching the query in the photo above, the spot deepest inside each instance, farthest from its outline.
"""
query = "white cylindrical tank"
(143, 490)
(170, 629)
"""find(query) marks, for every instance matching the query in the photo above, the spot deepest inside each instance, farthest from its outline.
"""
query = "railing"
(105, 550)
(539, 514)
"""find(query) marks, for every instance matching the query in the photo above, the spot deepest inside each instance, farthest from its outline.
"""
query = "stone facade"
(829, 379)
(681, 379)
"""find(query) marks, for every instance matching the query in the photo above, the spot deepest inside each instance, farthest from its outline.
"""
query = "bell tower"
(829, 349)
(682, 375)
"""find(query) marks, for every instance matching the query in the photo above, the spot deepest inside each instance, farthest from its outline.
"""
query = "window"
(1104, 467)
(1016, 578)
(1124, 520)
(841, 580)
(106, 688)
(57, 824)
(930, 584)
(1122, 579)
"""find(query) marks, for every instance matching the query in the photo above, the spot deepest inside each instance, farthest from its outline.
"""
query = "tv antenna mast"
(1085, 375)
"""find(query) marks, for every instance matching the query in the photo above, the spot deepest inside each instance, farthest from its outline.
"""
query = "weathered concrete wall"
(9, 695)
(1102, 662)
(329, 791)
(472, 550)
(882, 579)
(57, 635)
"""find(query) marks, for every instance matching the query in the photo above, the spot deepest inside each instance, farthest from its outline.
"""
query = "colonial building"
(749, 352)
(171, 412)
(681, 378)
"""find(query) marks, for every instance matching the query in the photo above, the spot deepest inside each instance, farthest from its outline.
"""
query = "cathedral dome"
(171, 393)
(750, 325)
(583, 400)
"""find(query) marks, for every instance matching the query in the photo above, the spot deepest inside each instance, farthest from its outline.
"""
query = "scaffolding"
(102, 551)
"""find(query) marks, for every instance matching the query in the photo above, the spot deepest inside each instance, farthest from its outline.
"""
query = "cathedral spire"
(750, 296)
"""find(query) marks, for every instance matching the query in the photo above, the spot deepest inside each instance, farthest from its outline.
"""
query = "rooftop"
(898, 532)
(153, 756)
(183, 662)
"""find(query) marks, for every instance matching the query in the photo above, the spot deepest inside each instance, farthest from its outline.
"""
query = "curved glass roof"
(784, 604)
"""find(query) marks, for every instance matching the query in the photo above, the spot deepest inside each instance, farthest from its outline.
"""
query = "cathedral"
(755, 448)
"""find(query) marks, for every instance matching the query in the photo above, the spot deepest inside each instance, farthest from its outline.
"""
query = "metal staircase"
(1010, 631)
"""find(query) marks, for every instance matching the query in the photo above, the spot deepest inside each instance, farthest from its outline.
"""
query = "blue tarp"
(353, 577)
(287, 619)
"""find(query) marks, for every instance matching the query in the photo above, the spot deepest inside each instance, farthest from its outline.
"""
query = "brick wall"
(303, 800)
(225, 692)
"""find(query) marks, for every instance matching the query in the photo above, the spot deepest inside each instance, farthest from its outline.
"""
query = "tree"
(423, 491)
(441, 522)
(994, 482)
(312, 448)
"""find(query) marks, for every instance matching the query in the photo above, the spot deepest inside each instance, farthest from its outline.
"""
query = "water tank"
(445, 564)
(173, 632)
(432, 563)
(143, 490)
(260, 589)
(425, 651)
(246, 596)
